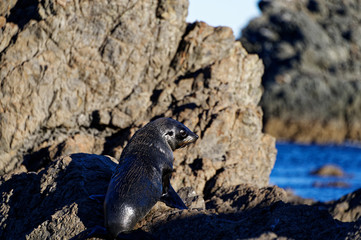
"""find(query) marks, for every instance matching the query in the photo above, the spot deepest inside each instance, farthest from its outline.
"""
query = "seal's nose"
(194, 137)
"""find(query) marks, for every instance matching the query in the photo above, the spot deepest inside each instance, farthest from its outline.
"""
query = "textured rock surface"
(81, 76)
(54, 204)
(312, 54)
(41, 205)
(348, 208)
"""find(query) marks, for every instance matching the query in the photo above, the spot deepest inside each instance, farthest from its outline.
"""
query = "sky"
(231, 13)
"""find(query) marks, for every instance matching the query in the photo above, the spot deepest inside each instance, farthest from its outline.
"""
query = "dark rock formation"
(41, 205)
(312, 55)
(347, 208)
(54, 204)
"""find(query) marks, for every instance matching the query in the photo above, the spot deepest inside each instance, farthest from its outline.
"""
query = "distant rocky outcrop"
(329, 170)
(311, 50)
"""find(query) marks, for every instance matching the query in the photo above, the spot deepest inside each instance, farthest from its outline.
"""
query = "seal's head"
(175, 133)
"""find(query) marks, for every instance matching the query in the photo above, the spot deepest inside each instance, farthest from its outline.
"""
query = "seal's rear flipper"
(172, 199)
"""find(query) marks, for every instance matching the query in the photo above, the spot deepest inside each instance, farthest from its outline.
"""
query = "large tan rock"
(79, 58)
(83, 77)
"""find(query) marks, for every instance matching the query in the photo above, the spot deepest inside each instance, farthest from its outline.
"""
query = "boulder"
(347, 208)
(54, 203)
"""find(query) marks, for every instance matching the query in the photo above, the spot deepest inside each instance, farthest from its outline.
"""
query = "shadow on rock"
(56, 200)
(18, 208)
(23, 12)
(55, 203)
(115, 143)
(36, 160)
(278, 220)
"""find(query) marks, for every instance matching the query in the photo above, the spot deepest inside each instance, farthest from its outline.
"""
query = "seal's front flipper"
(172, 199)
(97, 231)
(98, 197)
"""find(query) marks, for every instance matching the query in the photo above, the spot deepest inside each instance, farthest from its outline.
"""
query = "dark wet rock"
(355, 232)
(278, 219)
(347, 208)
(311, 52)
(54, 204)
(44, 204)
(245, 197)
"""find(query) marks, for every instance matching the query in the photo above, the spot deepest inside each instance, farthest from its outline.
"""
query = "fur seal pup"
(143, 175)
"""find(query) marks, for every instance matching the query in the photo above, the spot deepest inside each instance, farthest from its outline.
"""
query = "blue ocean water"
(295, 162)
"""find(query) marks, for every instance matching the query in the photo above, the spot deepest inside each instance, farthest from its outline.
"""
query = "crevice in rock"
(34, 161)
(23, 12)
(205, 71)
(178, 109)
(209, 123)
(119, 138)
(196, 165)
(207, 192)
(155, 96)
(181, 45)
(95, 121)
(3, 52)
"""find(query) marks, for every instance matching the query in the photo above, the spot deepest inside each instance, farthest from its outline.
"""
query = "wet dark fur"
(142, 176)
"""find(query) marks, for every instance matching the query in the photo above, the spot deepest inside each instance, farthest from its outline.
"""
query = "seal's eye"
(183, 133)
(170, 133)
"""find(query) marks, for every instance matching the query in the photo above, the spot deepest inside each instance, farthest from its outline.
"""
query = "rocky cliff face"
(83, 76)
(312, 53)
